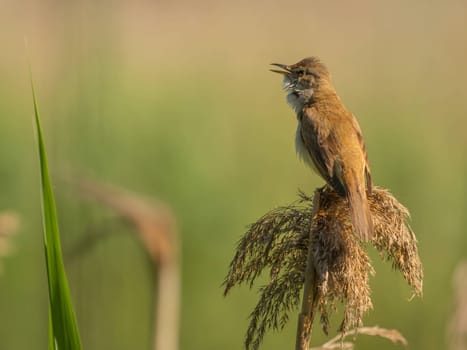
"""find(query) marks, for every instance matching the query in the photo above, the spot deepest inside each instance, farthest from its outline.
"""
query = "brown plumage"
(329, 138)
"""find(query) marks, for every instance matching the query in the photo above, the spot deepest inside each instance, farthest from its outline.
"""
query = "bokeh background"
(174, 100)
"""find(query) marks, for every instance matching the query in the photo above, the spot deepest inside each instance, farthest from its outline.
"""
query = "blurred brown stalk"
(9, 225)
(156, 228)
(457, 330)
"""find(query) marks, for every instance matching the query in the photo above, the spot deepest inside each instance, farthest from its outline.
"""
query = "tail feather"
(360, 214)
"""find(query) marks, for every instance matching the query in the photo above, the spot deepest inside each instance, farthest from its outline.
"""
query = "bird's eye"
(300, 72)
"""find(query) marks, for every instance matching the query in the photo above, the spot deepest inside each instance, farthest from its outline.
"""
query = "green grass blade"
(51, 333)
(64, 334)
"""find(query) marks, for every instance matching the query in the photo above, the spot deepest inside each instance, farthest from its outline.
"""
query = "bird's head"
(304, 80)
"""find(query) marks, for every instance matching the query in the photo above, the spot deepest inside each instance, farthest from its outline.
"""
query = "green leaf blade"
(63, 328)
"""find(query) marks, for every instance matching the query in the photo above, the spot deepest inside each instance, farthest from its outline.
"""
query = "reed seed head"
(279, 242)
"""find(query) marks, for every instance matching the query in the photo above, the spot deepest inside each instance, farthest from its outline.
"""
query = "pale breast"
(295, 102)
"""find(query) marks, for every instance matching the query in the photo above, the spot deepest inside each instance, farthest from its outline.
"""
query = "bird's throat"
(296, 102)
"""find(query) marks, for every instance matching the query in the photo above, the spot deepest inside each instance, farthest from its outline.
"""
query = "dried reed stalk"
(338, 341)
(310, 292)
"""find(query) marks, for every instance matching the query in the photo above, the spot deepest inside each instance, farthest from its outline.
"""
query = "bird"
(328, 137)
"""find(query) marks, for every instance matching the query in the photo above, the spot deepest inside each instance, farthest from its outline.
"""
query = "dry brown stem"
(310, 292)
(338, 341)
(155, 226)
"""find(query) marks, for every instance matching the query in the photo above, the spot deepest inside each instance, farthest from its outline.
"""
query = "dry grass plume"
(282, 240)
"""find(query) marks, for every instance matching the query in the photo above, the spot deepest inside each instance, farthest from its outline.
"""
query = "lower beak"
(285, 71)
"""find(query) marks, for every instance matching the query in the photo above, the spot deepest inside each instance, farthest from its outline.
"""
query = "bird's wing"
(362, 145)
(317, 136)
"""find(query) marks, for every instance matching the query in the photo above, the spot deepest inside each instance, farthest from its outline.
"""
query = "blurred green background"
(173, 99)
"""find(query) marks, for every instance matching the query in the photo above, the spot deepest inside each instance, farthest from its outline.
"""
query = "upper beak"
(285, 71)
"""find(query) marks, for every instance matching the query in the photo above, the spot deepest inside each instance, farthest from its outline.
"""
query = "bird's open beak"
(285, 71)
